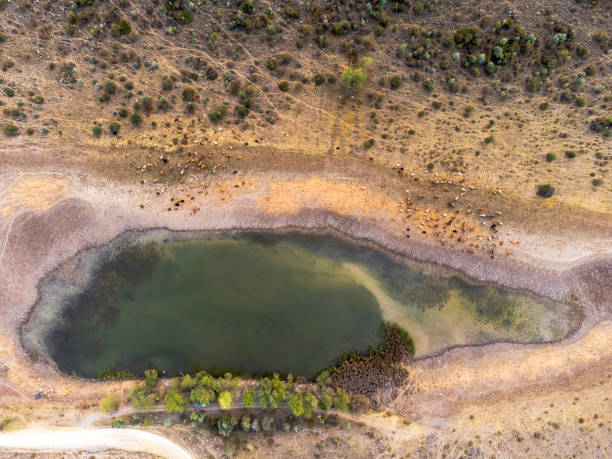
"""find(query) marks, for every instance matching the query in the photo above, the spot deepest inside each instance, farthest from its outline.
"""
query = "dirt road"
(92, 440)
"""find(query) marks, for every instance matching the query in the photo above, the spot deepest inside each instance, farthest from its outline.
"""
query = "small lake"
(261, 303)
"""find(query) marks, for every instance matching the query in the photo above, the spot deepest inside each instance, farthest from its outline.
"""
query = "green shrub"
(469, 109)
(10, 130)
(428, 85)
(123, 113)
(341, 400)
(570, 154)
(72, 18)
(135, 119)
(601, 125)
(249, 398)
(7, 64)
(217, 115)
(174, 401)
(114, 127)
(488, 139)
(396, 81)
(188, 94)
(96, 131)
(109, 405)
(322, 41)
(597, 182)
(291, 12)
(110, 374)
(546, 190)
(341, 28)
(162, 104)
(368, 143)
(110, 87)
(353, 79)
(581, 101)
(186, 17)
(142, 396)
(296, 404)
(225, 400)
(319, 79)
(283, 86)
(10, 92)
(436, 104)
(121, 27)
(310, 403)
(533, 84)
(550, 157)
(285, 58)
(225, 425)
(167, 83)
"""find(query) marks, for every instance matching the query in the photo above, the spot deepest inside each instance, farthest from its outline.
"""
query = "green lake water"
(260, 303)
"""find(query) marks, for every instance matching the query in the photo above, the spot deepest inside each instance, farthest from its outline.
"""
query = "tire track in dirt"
(335, 129)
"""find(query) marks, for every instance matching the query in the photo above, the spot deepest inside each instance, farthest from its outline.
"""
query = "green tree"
(296, 404)
(324, 378)
(150, 378)
(187, 382)
(142, 396)
(202, 395)
(278, 389)
(136, 119)
(353, 79)
(246, 423)
(266, 400)
(225, 400)
(249, 398)
(325, 399)
(341, 400)
(114, 127)
(271, 392)
(310, 403)
(175, 401)
(225, 426)
(109, 404)
(229, 382)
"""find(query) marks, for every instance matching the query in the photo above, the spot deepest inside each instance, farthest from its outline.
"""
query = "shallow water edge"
(386, 296)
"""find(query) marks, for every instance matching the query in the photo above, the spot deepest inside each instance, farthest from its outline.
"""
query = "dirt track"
(92, 440)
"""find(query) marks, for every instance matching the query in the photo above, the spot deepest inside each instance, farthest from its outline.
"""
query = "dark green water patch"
(213, 302)
(263, 303)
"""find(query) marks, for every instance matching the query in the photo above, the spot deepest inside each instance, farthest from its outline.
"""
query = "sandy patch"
(343, 196)
(37, 192)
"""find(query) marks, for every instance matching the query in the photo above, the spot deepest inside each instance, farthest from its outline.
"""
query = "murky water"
(259, 303)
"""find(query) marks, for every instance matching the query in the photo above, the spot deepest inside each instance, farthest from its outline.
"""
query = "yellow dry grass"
(36, 192)
(346, 197)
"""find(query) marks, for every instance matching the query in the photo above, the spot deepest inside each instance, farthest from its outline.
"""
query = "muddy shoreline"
(510, 275)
